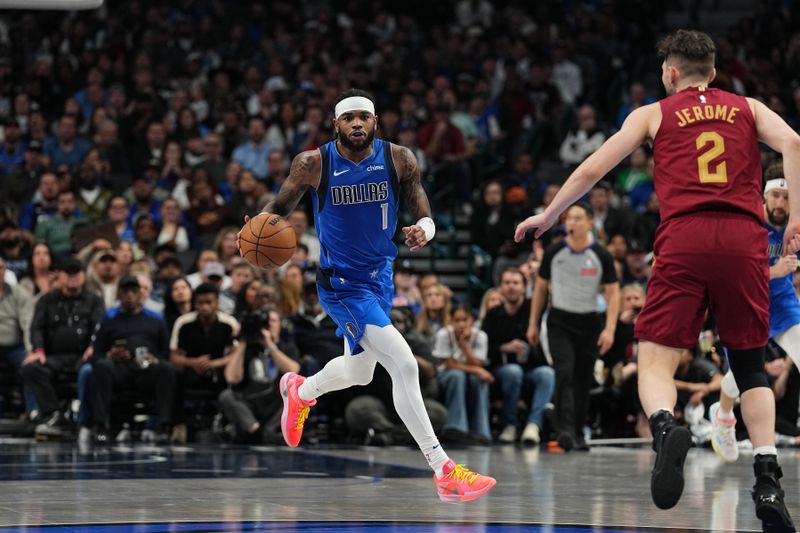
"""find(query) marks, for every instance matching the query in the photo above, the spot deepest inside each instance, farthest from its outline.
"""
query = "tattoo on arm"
(301, 175)
(411, 184)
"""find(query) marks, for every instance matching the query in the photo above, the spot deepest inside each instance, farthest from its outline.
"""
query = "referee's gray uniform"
(573, 324)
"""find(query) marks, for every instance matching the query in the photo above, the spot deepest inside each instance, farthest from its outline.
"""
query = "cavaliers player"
(710, 250)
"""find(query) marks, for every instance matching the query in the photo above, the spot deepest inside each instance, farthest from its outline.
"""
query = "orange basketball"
(267, 240)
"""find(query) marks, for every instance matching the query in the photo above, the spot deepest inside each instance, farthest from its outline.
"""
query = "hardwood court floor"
(53, 487)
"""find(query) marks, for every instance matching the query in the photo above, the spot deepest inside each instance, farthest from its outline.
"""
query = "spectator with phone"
(131, 353)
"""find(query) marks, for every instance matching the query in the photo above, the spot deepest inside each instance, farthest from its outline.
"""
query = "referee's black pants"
(573, 347)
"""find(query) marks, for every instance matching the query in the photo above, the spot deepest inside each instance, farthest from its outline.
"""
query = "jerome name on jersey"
(360, 193)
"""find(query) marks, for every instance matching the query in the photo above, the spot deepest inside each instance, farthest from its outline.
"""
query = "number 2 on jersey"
(385, 215)
(720, 175)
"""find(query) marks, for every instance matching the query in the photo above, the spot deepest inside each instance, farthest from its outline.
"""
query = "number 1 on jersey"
(704, 160)
(385, 215)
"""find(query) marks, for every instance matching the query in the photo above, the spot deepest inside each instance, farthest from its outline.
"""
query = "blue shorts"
(354, 300)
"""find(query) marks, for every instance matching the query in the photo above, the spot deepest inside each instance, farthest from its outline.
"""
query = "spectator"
(490, 223)
(512, 360)
(299, 221)
(201, 276)
(584, 140)
(644, 229)
(278, 170)
(66, 148)
(201, 345)
(144, 199)
(636, 99)
(43, 204)
(173, 231)
(118, 214)
(207, 216)
(607, 220)
(572, 273)
(12, 150)
(215, 162)
(435, 311)
(439, 138)
(104, 275)
(491, 298)
(242, 273)
(19, 186)
(57, 229)
(177, 301)
(252, 401)
(249, 299)
(93, 196)
(252, 155)
(227, 246)
(111, 151)
(130, 353)
(635, 269)
(64, 321)
(250, 196)
(153, 148)
(41, 276)
(636, 173)
(406, 292)
(16, 312)
(463, 349)
(145, 233)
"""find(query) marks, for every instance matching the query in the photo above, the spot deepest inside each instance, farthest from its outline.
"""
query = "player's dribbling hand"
(415, 237)
(605, 341)
(540, 221)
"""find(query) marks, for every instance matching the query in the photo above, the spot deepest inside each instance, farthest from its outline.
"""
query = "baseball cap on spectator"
(153, 162)
(405, 267)
(71, 266)
(128, 281)
(144, 215)
(107, 254)
(35, 146)
(635, 247)
(213, 268)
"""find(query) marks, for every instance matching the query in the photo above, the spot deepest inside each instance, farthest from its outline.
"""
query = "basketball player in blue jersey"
(356, 182)
(784, 310)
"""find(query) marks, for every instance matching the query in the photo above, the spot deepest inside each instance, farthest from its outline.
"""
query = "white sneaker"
(508, 435)
(530, 435)
(723, 436)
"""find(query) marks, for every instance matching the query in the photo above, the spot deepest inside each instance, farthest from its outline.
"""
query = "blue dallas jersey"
(784, 307)
(355, 210)
(355, 213)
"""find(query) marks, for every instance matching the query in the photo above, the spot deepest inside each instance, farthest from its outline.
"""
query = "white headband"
(354, 103)
(778, 183)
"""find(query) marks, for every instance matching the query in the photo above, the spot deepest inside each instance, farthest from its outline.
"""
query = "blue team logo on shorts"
(351, 329)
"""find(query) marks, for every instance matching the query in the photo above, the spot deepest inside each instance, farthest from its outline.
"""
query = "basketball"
(267, 240)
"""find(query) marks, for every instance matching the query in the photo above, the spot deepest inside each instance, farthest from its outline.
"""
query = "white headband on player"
(779, 183)
(354, 103)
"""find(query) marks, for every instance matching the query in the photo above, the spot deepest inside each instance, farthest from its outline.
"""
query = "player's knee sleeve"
(729, 385)
(748, 368)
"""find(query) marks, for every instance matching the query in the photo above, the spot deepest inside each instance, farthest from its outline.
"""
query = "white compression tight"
(788, 340)
(384, 345)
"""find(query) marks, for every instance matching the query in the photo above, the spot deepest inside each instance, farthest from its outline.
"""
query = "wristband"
(427, 225)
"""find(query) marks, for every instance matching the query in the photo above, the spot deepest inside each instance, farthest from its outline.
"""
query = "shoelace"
(462, 473)
(301, 417)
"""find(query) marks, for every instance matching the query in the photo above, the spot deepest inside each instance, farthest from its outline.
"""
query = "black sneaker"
(768, 496)
(50, 426)
(566, 441)
(671, 443)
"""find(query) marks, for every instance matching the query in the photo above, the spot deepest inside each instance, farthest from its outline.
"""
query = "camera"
(252, 323)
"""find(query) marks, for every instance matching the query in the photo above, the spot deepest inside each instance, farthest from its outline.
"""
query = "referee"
(574, 271)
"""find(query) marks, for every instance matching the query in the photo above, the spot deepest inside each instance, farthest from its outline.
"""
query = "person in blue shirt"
(356, 182)
(784, 310)
(253, 154)
(66, 148)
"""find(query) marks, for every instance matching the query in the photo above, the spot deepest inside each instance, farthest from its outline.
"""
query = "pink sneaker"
(459, 484)
(295, 410)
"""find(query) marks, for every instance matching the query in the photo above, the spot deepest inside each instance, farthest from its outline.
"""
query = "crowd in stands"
(135, 138)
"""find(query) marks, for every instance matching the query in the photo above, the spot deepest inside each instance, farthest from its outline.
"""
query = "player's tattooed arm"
(303, 174)
(410, 177)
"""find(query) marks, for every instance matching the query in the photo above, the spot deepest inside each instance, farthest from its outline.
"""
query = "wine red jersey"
(706, 155)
